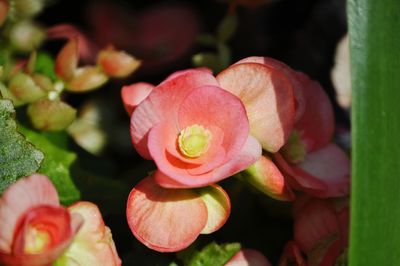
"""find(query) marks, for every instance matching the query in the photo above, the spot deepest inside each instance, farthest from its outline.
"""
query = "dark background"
(301, 33)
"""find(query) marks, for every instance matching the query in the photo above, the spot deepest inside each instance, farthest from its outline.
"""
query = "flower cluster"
(37, 231)
(258, 120)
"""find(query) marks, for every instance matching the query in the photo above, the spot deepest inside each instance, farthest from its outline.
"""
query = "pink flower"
(292, 118)
(320, 231)
(169, 220)
(36, 230)
(196, 132)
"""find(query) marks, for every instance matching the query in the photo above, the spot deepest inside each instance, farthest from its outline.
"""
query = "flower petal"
(268, 97)
(166, 220)
(67, 60)
(162, 105)
(93, 245)
(289, 72)
(331, 165)
(210, 106)
(21, 196)
(134, 94)
(317, 123)
(316, 221)
(248, 257)
(218, 207)
(172, 171)
(266, 177)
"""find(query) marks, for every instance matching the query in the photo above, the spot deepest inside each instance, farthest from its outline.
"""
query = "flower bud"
(51, 115)
(24, 89)
(86, 78)
(117, 64)
(67, 60)
(26, 36)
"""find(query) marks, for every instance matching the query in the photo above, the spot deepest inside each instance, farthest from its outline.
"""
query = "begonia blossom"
(37, 230)
(196, 132)
(248, 257)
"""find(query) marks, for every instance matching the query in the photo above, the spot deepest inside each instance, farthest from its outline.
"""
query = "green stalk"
(374, 27)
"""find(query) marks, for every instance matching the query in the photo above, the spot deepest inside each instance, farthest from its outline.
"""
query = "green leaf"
(57, 162)
(18, 157)
(45, 65)
(375, 60)
(211, 255)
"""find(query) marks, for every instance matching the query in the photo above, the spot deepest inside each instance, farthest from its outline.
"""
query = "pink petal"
(21, 196)
(218, 207)
(317, 123)
(185, 71)
(289, 72)
(325, 252)
(316, 221)
(297, 178)
(162, 105)
(211, 106)
(67, 59)
(93, 245)
(134, 94)
(248, 257)
(292, 255)
(268, 97)
(87, 49)
(51, 219)
(166, 220)
(266, 177)
(331, 165)
(172, 172)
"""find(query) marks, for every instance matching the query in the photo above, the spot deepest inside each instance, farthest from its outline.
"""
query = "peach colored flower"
(196, 132)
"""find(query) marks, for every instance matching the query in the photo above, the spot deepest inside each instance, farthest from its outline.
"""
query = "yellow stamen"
(194, 141)
(36, 240)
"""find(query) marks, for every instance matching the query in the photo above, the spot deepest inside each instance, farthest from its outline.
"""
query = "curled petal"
(86, 48)
(248, 257)
(23, 195)
(86, 79)
(331, 165)
(266, 177)
(218, 207)
(117, 64)
(134, 94)
(317, 123)
(93, 245)
(268, 97)
(166, 220)
(289, 72)
(67, 60)
(210, 106)
(162, 105)
(178, 177)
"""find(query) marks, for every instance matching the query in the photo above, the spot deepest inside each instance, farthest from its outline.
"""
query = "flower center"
(36, 240)
(194, 141)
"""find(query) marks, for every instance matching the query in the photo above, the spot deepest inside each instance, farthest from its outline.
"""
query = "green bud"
(51, 115)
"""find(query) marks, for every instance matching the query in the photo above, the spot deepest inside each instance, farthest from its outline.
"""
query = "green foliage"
(211, 255)
(18, 157)
(375, 213)
(57, 162)
(45, 65)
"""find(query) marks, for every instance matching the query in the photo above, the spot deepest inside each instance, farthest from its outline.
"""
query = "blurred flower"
(169, 220)
(248, 257)
(196, 132)
(36, 230)
(320, 232)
